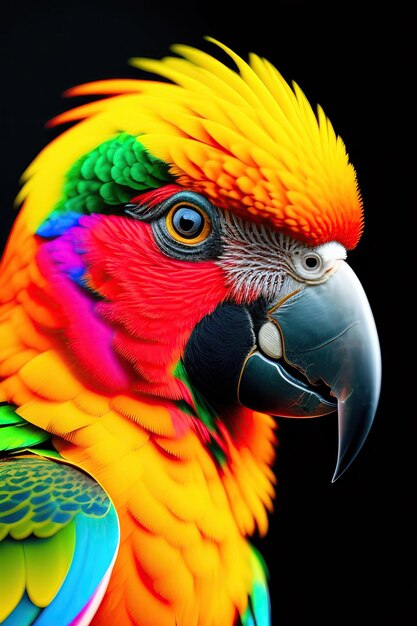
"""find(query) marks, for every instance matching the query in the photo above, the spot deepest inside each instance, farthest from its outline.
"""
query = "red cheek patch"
(152, 302)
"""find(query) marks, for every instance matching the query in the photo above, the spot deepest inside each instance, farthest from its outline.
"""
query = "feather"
(210, 113)
(61, 536)
(24, 614)
(258, 612)
(16, 433)
(12, 576)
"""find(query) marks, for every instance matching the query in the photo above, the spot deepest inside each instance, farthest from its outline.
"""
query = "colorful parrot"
(174, 280)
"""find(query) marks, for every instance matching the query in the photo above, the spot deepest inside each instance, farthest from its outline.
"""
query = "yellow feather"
(187, 501)
(16, 391)
(215, 114)
(58, 417)
(26, 331)
(145, 603)
(47, 564)
(12, 577)
(153, 418)
(223, 81)
(156, 518)
(176, 584)
(203, 558)
(15, 361)
(183, 448)
(52, 165)
(239, 583)
(241, 511)
(92, 403)
(277, 85)
(188, 614)
(37, 374)
(118, 427)
(243, 136)
(183, 163)
(155, 554)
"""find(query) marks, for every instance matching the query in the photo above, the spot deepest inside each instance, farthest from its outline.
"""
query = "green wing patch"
(40, 503)
(37, 566)
(16, 433)
(39, 497)
(104, 178)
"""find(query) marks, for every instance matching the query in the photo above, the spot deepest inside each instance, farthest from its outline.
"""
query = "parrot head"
(191, 239)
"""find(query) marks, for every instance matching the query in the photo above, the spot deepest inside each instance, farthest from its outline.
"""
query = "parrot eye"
(188, 224)
(311, 262)
(315, 265)
(186, 227)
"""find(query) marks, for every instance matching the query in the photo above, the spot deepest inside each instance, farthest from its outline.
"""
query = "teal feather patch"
(95, 550)
(258, 612)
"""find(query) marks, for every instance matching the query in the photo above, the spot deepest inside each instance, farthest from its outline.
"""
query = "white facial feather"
(259, 261)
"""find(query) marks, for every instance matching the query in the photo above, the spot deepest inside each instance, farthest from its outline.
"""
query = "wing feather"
(60, 537)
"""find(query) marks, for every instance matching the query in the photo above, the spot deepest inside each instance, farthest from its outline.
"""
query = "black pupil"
(188, 222)
(311, 262)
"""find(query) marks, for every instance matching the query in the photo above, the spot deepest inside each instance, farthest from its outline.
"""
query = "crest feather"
(247, 139)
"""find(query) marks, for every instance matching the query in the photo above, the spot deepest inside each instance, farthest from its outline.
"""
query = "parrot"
(174, 282)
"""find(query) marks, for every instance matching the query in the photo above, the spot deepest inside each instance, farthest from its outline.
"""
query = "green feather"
(47, 564)
(39, 496)
(9, 416)
(37, 565)
(108, 176)
(12, 577)
(21, 436)
(48, 453)
(16, 433)
(44, 505)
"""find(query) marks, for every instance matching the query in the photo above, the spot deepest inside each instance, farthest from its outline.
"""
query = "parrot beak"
(326, 332)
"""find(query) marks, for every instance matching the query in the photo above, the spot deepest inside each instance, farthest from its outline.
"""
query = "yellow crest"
(245, 139)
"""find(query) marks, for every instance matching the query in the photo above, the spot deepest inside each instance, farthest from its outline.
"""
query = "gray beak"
(328, 333)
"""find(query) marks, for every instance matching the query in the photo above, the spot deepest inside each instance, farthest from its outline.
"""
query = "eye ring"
(308, 264)
(188, 224)
(312, 262)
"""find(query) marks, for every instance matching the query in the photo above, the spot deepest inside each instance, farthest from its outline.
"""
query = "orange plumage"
(89, 348)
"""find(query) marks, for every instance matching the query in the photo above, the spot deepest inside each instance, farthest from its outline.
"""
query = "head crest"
(245, 139)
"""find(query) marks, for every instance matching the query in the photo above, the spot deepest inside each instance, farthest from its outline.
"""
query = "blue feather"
(43, 490)
(258, 612)
(96, 544)
(58, 223)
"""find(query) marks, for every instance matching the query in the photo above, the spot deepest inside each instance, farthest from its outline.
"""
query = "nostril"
(269, 339)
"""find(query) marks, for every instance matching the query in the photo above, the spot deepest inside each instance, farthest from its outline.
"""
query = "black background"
(339, 554)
